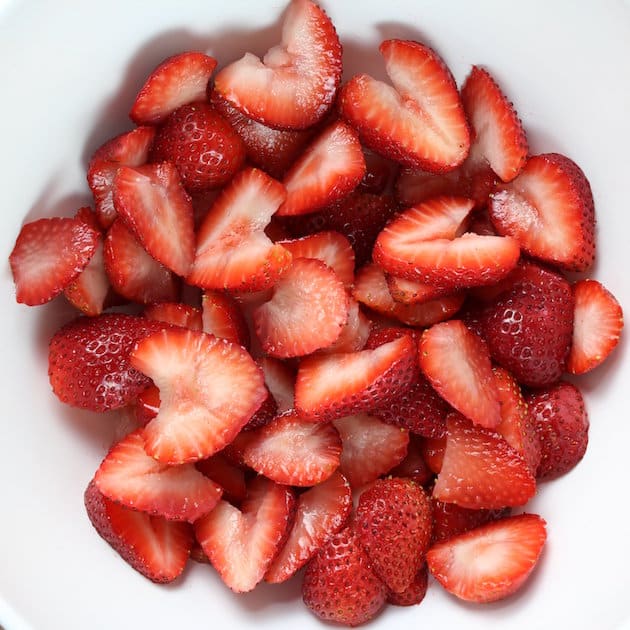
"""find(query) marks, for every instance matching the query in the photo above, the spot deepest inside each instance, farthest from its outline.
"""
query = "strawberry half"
(408, 291)
(233, 251)
(209, 389)
(176, 314)
(491, 561)
(549, 210)
(450, 519)
(354, 334)
(222, 317)
(241, 544)
(130, 477)
(295, 84)
(230, 477)
(419, 122)
(280, 380)
(156, 548)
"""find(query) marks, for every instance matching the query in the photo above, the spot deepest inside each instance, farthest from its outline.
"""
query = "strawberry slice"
(499, 134)
(176, 314)
(354, 334)
(370, 448)
(330, 168)
(233, 251)
(380, 173)
(425, 243)
(413, 466)
(491, 561)
(130, 477)
(156, 548)
(450, 519)
(209, 389)
(414, 186)
(48, 255)
(157, 209)
(222, 317)
(178, 80)
(321, 512)
(457, 364)
(481, 470)
(280, 380)
(308, 310)
(291, 451)
(295, 84)
(408, 291)
(241, 544)
(432, 451)
(414, 593)
(267, 412)
(420, 122)
(231, 478)
(338, 385)
(133, 273)
(549, 210)
(147, 405)
(597, 326)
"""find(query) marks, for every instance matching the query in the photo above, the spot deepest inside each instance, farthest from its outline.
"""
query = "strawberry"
(209, 389)
(130, 477)
(425, 243)
(432, 451)
(231, 478)
(562, 424)
(202, 145)
(354, 334)
(178, 80)
(419, 122)
(597, 326)
(89, 364)
(308, 310)
(132, 272)
(321, 512)
(414, 593)
(48, 255)
(176, 314)
(529, 326)
(241, 544)
(233, 251)
(414, 186)
(413, 466)
(450, 519)
(147, 405)
(408, 291)
(339, 584)
(384, 333)
(380, 173)
(331, 167)
(499, 134)
(267, 412)
(481, 470)
(334, 386)
(549, 210)
(222, 317)
(370, 448)
(280, 380)
(295, 84)
(158, 211)
(291, 451)
(153, 546)
(370, 288)
(393, 521)
(457, 364)
(491, 561)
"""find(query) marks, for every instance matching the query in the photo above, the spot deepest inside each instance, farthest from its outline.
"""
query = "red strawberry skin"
(414, 593)
(450, 519)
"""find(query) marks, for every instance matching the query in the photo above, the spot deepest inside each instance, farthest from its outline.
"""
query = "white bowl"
(69, 71)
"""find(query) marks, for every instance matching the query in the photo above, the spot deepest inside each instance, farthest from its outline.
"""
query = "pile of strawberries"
(348, 291)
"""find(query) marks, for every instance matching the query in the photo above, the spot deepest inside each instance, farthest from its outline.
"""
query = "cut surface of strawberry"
(222, 317)
(295, 84)
(176, 314)
(280, 380)
(354, 334)
(230, 477)
(450, 519)
(490, 562)
(209, 389)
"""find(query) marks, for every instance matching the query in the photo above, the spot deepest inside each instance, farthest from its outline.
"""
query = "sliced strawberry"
(549, 210)
(354, 334)
(178, 80)
(597, 326)
(370, 288)
(337, 385)
(209, 389)
(147, 405)
(267, 412)
(130, 477)
(307, 312)
(457, 364)
(48, 255)
(425, 243)
(280, 380)
(481, 470)
(231, 478)
(432, 450)
(330, 168)
(157, 209)
(176, 314)
(394, 521)
(370, 448)
(450, 519)
(413, 466)
(414, 594)
(295, 84)
(233, 251)
(499, 134)
(414, 186)
(222, 317)
(88, 361)
(321, 512)
(408, 291)
(384, 333)
(339, 584)
(330, 247)
(241, 544)
(133, 273)
(491, 561)
(380, 173)
(419, 122)
(153, 546)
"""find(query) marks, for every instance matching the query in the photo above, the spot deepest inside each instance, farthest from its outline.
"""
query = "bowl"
(69, 72)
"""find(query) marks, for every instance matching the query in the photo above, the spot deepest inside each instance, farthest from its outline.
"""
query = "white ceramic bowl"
(69, 71)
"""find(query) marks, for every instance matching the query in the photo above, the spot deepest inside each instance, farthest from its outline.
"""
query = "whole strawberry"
(201, 144)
